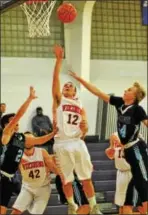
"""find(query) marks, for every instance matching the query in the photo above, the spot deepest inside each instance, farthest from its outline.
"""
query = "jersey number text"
(121, 154)
(19, 155)
(34, 173)
(72, 119)
(123, 131)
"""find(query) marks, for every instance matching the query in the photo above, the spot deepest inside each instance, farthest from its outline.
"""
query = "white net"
(38, 17)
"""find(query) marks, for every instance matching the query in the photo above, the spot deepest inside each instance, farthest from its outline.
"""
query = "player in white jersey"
(70, 150)
(35, 168)
(124, 183)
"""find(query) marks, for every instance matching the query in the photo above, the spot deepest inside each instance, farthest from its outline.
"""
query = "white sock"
(92, 202)
(72, 202)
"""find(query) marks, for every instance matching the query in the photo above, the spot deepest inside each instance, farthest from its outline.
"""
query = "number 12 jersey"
(68, 118)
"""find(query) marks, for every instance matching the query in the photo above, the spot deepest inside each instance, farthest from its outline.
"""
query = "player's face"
(3, 108)
(69, 90)
(31, 149)
(130, 94)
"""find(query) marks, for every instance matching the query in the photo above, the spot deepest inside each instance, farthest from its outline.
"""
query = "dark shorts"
(79, 195)
(137, 157)
(132, 197)
(16, 185)
(6, 189)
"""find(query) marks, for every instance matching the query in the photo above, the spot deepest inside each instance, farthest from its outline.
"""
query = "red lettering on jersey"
(32, 165)
(72, 108)
(23, 161)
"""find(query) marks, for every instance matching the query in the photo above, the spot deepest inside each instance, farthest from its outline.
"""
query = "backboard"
(6, 4)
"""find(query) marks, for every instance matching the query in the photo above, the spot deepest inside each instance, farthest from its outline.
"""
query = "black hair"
(39, 108)
(2, 103)
(5, 119)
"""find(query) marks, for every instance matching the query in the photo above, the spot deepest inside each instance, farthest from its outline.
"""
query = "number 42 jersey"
(33, 169)
(68, 119)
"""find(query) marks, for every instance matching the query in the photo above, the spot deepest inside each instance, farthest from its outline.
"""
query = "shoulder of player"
(116, 100)
(47, 157)
(75, 102)
(19, 136)
(44, 152)
(139, 107)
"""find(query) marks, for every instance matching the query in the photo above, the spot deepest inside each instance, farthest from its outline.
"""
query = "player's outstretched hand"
(59, 51)
(32, 93)
(73, 74)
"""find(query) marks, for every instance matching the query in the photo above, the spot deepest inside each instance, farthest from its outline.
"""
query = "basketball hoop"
(38, 14)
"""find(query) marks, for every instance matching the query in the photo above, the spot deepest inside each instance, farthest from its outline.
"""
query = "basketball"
(66, 13)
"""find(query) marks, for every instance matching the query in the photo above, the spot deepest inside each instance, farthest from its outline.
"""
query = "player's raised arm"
(91, 87)
(50, 163)
(31, 141)
(58, 50)
(8, 130)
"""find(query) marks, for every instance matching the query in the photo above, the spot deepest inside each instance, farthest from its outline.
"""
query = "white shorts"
(73, 156)
(122, 181)
(33, 200)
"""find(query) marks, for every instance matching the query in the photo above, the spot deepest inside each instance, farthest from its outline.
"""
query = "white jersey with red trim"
(120, 162)
(68, 119)
(33, 170)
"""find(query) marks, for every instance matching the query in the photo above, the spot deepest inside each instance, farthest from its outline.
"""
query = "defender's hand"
(73, 74)
(32, 93)
(59, 52)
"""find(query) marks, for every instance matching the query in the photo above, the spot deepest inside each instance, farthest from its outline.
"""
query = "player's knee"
(15, 211)
(67, 185)
(86, 181)
(68, 190)
(88, 188)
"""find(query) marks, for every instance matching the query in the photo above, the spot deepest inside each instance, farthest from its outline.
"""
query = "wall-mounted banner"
(144, 8)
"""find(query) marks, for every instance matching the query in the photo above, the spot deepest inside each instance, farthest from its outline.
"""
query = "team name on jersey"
(72, 108)
(32, 165)
(124, 119)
